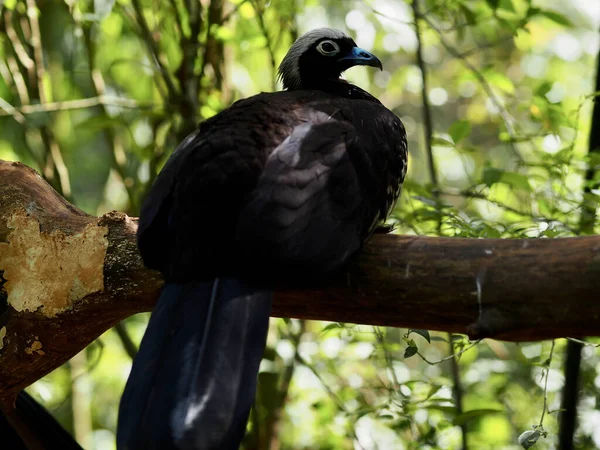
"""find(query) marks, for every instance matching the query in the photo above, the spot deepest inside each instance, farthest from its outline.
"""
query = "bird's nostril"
(364, 54)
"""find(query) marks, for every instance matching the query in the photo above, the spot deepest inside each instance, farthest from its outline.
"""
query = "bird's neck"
(339, 88)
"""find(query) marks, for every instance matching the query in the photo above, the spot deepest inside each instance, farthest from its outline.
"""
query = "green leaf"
(543, 89)
(267, 386)
(400, 425)
(516, 180)
(423, 333)
(441, 142)
(442, 408)
(501, 81)
(493, 3)
(492, 176)
(101, 122)
(332, 326)
(459, 130)
(506, 5)
(468, 415)
(432, 390)
(410, 351)
(557, 18)
(469, 15)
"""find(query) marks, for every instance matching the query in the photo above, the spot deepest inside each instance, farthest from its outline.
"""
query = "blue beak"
(360, 57)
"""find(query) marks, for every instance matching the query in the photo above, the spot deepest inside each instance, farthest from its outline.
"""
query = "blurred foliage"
(96, 94)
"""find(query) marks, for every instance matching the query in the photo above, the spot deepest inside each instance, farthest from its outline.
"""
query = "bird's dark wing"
(153, 226)
(326, 186)
(304, 209)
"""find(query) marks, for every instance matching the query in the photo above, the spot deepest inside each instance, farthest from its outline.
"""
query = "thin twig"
(128, 344)
(270, 50)
(427, 121)
(582, 342)
(13, 66)
(118, 155)
(275, 413)
(338, 402)
(428, 134)
(506, 118)
(154, 51)
(17, 45)
(547, 373)
(178, 18)
(81, 103)
(454, 355)
(231, 13)
(458, 391)
(55, 165)
(38, 56)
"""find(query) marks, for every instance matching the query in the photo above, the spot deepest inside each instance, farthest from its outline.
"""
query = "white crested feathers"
(289, 70)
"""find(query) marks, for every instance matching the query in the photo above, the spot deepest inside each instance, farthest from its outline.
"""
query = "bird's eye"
(328, 48)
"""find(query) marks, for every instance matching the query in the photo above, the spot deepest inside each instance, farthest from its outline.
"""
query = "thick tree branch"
(70, 276)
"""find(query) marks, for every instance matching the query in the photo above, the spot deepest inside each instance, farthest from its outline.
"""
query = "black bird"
(280, 186)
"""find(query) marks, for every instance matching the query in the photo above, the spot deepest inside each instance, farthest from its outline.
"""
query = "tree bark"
(69, 276)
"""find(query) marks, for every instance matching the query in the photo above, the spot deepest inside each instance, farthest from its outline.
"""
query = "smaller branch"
(213, 51)
(18, 79)
(265, 32)
(427, 122)
(12, 111)
(453, 355)
(468, 194)
(231, 13)
(276, 412)
(118, 155)
(339, 403)
(66, 105)
(189, 83)
(506, 118)
(128, 344)
(458, 391)
(547, 373)
(17, 45)
(570, 394)
(23, 94)
(178, 18)
(388, 359)
(38, 55)
(58, 161)
(154, 51)
(582, 342)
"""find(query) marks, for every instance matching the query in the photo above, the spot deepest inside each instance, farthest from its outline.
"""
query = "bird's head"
(319, 57)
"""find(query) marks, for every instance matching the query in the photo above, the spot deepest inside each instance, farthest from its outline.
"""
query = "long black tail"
(30, 426)
(193, 381)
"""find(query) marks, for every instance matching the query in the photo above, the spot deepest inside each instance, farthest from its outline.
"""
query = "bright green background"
(510, 86)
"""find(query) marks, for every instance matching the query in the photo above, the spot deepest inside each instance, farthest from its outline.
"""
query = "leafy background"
(496, 97)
